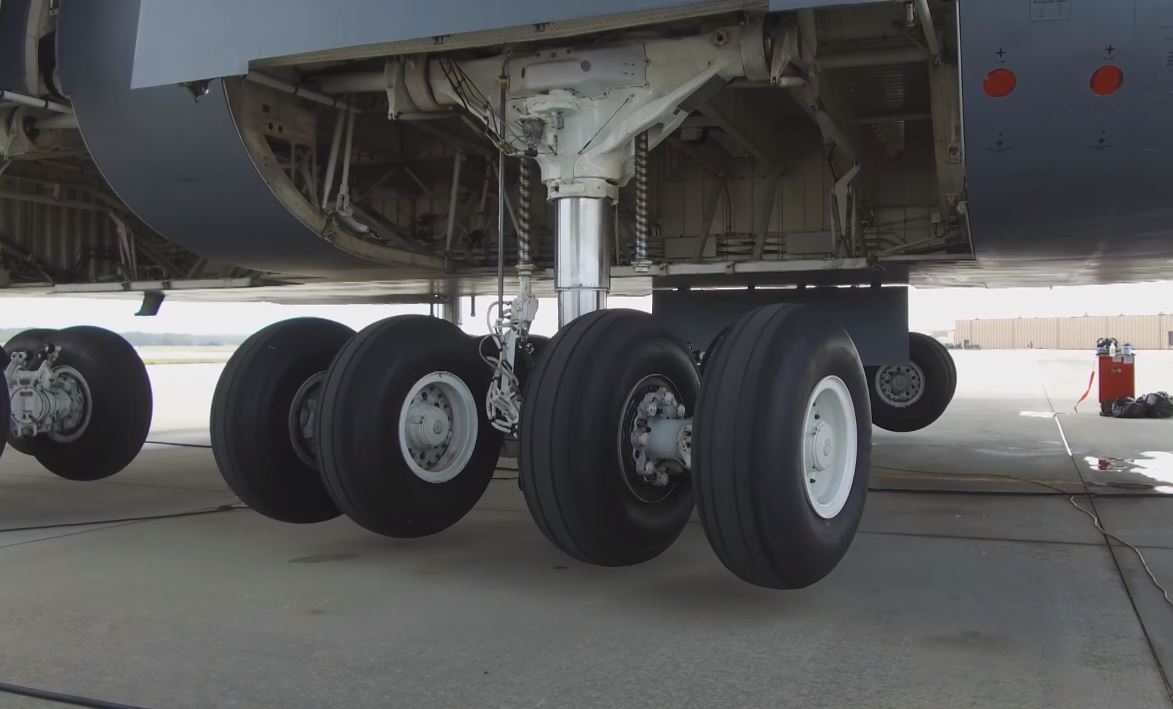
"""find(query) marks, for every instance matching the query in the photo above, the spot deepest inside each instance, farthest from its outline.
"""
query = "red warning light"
(1000, 83)
(1107, 80)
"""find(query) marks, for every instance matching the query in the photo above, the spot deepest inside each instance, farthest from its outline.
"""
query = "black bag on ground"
(1153, 406)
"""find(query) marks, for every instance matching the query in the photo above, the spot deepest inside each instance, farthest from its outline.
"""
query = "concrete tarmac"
(963, 589)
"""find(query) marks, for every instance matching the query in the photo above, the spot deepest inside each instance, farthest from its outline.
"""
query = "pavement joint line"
(89, 529)
(1016, 540)
(924, 535)
(1098, 521)
(34, 476)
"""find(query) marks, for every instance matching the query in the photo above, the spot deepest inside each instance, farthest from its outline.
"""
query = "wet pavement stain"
(1157, 466)
(322, 558)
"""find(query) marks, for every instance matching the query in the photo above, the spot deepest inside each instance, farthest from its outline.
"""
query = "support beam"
(809, 96)
(947, 139)
(932, 40)
(858, 58)
(457, 162)
(747, 129)
(710, 214)
(296, 90)
(34, 102)
(766, 216)
(893, 118)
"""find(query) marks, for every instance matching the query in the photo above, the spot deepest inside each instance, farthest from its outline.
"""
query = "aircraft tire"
(30, 341)
(577, 465)
(251, 437)
(404, 444)
(5, 416)
(120, 406)
(913, 396)
(782, 447)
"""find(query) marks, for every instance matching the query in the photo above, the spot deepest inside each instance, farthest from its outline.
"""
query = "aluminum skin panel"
(1067, 186)
(14, 21)
(180, 164)
(181, 40)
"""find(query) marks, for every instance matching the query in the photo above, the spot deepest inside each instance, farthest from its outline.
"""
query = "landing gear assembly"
(619, 432)
(79, 400)
(913, 395)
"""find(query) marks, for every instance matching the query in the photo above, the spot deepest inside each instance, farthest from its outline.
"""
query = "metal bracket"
(843, 209)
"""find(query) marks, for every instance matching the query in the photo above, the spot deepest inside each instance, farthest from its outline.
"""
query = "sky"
(929, 310)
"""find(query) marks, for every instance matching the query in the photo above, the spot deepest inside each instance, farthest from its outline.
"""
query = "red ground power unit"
(1117, 372)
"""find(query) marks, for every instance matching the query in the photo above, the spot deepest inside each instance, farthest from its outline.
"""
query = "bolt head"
(653, 409)
(643, 439)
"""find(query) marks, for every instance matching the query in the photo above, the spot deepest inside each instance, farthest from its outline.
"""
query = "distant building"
(1143, 332)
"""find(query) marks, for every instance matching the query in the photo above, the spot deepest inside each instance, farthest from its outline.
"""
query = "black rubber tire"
(250, 419)
(747, 447)
(5, 415)
(358, 447)
(940, 381)
(121, 406)
(570, 463)
(29, 341)
(713, 347)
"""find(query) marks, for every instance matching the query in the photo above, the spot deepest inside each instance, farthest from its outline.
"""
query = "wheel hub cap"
(429, 424)
(831, 445)
(822, 445)
(900, 386)
(438, 427)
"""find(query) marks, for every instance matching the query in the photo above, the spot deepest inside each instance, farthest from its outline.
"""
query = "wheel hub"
(831, 447)
(303, 412)
(900, 385)
(659, 434)
(50, 400)
(438, 427)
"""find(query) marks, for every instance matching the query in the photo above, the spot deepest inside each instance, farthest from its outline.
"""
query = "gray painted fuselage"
(1063, 185)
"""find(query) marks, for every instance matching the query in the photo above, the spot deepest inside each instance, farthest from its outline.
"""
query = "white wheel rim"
(830, 447)
(900, 386)
(438, 427)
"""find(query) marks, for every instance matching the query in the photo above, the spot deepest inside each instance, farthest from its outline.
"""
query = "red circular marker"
(1107, 80)
(1000, 83)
